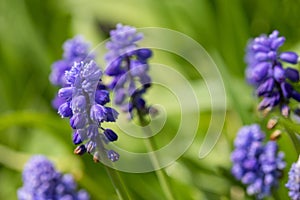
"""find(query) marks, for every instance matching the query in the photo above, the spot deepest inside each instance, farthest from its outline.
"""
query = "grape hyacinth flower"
(42, 181)
(75, 50)
(255, 164)
(293, 183)
(84, 103)
(265, 71)
(128, 65)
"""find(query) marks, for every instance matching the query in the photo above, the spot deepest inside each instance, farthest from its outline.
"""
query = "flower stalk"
(151, 146)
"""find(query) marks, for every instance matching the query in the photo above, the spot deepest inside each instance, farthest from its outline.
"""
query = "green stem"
(118, 183)
(292, 129)
(113, 174)
(160, 173)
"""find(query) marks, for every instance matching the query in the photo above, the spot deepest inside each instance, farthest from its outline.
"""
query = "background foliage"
(31, 35)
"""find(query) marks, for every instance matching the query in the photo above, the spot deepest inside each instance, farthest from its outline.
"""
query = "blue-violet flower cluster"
(84, 103)
(75, 50)
(41, 181)
(128, 65)
(255, 164)
(266, 73)
(293, 183)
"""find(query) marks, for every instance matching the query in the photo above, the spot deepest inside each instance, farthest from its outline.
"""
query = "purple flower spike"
(266, 73)
(42, 181)
(128, 65)
(84, 98)
(255, 164)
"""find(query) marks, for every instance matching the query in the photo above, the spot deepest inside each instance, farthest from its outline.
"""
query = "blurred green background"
(31, 36)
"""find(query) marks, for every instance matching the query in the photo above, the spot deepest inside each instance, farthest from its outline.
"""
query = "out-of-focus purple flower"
(266, 73)
(293, 183)
(128, 65)
(255, 164)
(75, 50)
(41, 181)
(84, 103)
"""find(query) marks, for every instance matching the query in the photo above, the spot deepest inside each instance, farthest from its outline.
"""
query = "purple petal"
(286, 89)
(111, 114)
(102, 97)
(66, 93)
(265, 87)
(143, 54)
(65, 110)
(296, 96)
(277, 43)
(78, 104)
(290, 57)
(114, 67)
(110, 135)
(279, 73)
(76, 138)
(292, 74)
(98, 113)
(78, 121)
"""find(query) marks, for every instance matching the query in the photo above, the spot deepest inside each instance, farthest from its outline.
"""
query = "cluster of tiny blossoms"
(85, 98)
(265, 71)
(255, 164)
(82, 98)
(41, 181)
(75, 50)
(128, 65)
